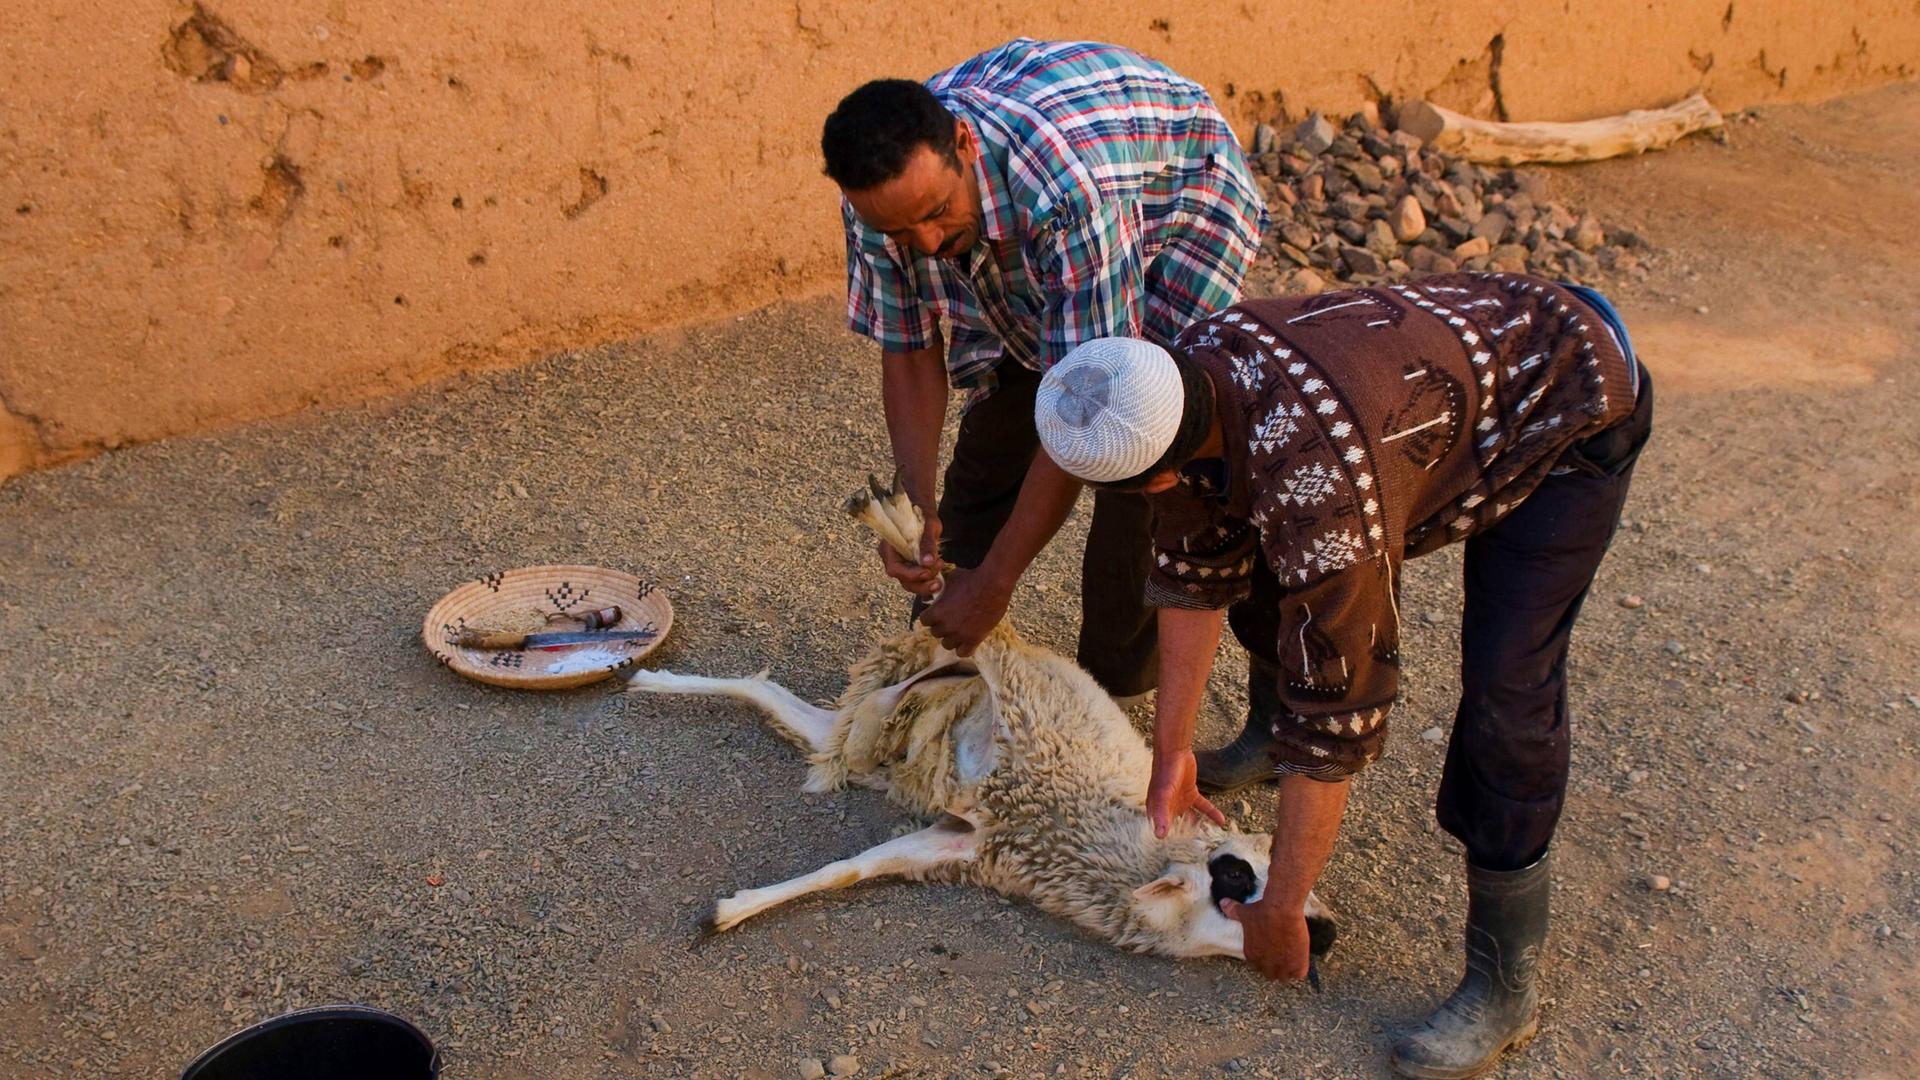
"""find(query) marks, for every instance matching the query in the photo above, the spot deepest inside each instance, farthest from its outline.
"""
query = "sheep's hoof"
(710, 927)
(1321, 932)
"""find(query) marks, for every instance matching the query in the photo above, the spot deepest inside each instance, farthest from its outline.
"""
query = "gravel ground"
(228, 769)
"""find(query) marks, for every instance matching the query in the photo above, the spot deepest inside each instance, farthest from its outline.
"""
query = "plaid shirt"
(1116, 202)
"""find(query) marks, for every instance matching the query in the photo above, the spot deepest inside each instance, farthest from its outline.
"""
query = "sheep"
(1036, 778)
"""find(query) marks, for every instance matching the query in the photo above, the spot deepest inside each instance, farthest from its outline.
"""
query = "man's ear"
(963, 146)
(1161, 482)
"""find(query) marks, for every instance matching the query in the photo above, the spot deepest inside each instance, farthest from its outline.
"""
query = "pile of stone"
(1358, 205)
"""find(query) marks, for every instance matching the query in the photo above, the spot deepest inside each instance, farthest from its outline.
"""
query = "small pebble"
(1636, 775)
(843, 1065)
(1632, 602)
(1701, 310)
(1674, 648)
(1883, 931)
(812, 1069)
(1798, 697)
(1433, 735)
(1659, 882)
(1883, 816)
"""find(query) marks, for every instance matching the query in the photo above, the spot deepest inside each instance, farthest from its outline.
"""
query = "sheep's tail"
(806, 726)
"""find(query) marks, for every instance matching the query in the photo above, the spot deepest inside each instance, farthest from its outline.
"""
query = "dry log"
(1490, 143)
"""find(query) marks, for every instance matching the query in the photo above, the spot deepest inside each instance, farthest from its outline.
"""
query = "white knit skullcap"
(1109, 408)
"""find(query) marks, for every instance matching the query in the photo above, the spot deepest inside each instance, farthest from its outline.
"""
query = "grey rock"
(1588, 235)
(1511, 258)
(1456, 230)
(1361, 261)
(1493, 225)
(1428, 261)
(1264, 138)
(1296, 234)
(1315, 134)
(1381, 241)
(1302, 282)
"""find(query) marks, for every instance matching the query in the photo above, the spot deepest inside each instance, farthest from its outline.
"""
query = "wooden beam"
(1491, 143)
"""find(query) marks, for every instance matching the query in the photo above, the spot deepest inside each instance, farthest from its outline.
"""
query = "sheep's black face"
(1232, 878)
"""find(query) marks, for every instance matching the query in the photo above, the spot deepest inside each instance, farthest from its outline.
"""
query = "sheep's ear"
(1169, 887)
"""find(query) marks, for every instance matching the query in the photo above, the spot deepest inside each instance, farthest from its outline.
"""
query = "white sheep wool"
(1109, 408)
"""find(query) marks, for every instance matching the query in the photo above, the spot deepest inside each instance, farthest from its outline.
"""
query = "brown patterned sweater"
(1362, 428)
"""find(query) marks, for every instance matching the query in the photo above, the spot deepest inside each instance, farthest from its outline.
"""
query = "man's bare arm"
(1188, 642)
(1306, 820)
(913, 393)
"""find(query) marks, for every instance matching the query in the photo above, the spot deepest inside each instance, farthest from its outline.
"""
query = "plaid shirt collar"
(996, 207)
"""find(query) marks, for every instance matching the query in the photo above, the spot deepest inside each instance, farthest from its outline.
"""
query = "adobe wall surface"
(222, 212)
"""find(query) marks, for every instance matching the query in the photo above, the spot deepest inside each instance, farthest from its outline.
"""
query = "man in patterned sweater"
(1034, 197)
(1296, 452)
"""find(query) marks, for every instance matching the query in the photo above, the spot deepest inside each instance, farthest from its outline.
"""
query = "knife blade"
(472, 639)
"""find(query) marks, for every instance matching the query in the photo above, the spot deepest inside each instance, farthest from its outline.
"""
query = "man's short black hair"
(874, 130)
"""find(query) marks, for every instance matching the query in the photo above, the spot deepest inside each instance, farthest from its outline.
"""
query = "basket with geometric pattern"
(537, 598)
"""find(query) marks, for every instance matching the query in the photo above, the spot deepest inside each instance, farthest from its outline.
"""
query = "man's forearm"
(913, 391)
(1305, 822)
(1188, 641)
(1046, 498)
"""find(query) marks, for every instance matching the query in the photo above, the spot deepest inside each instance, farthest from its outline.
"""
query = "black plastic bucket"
(330, 1042)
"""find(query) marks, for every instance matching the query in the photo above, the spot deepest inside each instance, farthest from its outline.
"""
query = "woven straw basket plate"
(518, 600)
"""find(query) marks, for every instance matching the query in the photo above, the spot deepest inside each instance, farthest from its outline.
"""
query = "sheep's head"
(1178, 913)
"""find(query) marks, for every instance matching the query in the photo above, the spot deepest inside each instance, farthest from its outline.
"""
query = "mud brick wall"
(237, 209)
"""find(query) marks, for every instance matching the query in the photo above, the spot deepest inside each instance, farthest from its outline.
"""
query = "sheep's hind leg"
(915, 855)
(809, 727)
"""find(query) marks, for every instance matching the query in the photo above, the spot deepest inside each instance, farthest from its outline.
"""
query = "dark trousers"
(1505, 778)
(1119, 639)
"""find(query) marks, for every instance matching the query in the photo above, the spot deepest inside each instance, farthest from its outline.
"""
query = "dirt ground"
(228, 769)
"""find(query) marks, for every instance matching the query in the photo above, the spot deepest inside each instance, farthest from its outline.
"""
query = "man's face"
(931, 208)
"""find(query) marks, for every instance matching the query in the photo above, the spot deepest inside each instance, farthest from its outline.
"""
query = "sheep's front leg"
(952, 842)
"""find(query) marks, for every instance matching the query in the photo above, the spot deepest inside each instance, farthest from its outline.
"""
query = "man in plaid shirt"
(1037, 196)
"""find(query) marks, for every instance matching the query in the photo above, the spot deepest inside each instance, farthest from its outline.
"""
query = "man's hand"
(922, 579)
(1172, 793)
(1276, 937)
(968, 610)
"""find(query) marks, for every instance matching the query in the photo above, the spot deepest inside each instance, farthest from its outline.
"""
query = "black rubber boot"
(1493, 1009)
(1248, 758)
